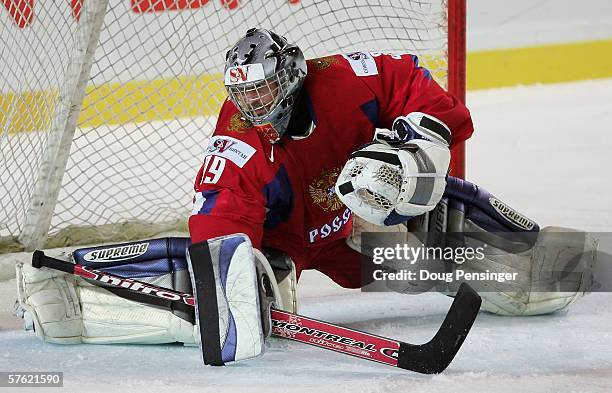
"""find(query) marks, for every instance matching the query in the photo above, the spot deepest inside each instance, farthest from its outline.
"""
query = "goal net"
(106, 105)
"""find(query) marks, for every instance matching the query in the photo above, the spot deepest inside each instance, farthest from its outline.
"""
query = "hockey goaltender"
(306, 155)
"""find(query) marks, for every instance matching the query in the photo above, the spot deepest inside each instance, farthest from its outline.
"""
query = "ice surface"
(544, 150)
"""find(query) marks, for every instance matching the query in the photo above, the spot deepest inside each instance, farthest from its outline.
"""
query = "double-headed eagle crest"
(322, 190)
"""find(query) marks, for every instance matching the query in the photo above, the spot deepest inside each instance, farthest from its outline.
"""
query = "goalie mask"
(263, 76)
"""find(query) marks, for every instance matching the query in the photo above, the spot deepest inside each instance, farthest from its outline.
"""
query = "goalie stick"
(429, 358)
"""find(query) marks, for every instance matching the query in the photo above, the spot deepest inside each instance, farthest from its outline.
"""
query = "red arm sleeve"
(231, 214)
(401, 87)
(228, 197)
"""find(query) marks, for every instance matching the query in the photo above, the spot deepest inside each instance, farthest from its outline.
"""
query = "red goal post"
(457, 60)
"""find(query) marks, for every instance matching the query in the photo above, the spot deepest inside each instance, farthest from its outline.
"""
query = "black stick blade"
(433, 357)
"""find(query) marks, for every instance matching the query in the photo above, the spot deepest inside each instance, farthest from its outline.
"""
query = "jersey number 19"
(212, 169)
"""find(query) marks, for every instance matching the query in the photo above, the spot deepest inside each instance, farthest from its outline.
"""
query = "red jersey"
(282, 196)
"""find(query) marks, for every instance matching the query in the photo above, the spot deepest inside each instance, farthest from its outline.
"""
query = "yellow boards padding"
(539, 64)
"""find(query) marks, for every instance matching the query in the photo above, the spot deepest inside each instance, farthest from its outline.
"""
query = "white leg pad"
(555, 249)
(66, 309)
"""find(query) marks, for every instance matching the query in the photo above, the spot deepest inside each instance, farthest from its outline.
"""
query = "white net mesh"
(152, 96)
